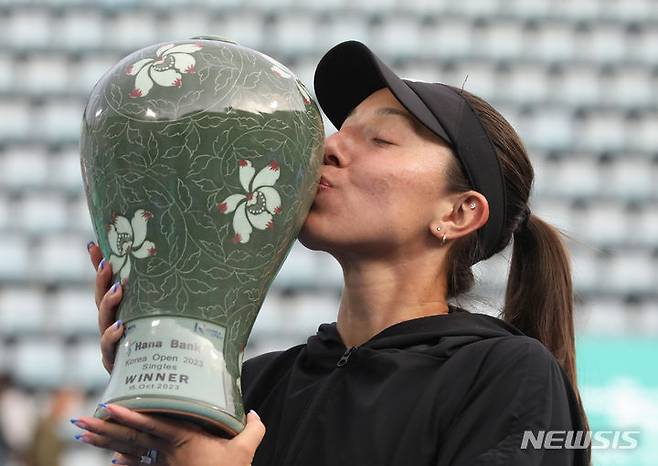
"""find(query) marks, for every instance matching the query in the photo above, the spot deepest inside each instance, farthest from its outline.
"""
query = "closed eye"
(383, 142)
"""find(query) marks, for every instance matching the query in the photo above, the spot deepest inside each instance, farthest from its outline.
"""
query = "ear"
(469, 211)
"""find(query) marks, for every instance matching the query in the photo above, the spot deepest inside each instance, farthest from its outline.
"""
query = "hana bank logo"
(578, 439)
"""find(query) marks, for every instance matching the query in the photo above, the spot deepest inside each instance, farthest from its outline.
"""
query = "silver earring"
(443, 240)
(473, 205)
(438, 228)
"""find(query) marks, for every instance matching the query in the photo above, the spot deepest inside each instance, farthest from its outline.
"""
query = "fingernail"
(118, 323)
(114, 287)
(73, 420)
(252, 411)
(102, 405)
(89, 244)
(81, 438)
(101, 264)
(114, 461)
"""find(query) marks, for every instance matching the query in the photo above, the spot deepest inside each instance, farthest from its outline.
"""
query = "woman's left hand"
(178, 443)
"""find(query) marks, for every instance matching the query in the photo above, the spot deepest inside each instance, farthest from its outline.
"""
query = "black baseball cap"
(349, 72)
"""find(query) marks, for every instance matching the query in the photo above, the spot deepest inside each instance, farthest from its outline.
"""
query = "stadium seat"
(65, 172)
(187, 23)
(642, 133)
(631, 178)
(73, 312)
(40, 362)
(8, 75)
(340, 27)
(600, 131)
(572, 176)
(22, 311)
(526, 84)
(80, 30)
(397, 37)
(602, 43)
(501, 40)
(61, 257)
(90, 374)
(43, 74)
(41, 213)
(603, 224)
(14, 257)
(59, 121)
(638, 276)
(15, 120)
(244, 27)
(90, 70)
(28, 28)
(578, 85)
(552, 42)
(604, 316)
(449, 38)
(293, 34)
(133, 30)
(630, 87)
(550, 128)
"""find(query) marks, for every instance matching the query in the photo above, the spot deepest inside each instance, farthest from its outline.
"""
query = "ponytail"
(539, 294)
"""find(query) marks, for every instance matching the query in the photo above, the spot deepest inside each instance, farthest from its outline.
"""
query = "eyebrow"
(415, 124)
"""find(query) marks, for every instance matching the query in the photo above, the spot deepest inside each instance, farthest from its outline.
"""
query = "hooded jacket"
(452, 389)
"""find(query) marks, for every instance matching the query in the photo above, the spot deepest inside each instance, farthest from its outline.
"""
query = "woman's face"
(387, 173)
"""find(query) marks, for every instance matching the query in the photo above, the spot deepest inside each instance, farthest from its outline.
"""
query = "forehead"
(383, 104)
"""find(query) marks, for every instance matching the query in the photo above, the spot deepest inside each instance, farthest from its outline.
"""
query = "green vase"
(200, 161)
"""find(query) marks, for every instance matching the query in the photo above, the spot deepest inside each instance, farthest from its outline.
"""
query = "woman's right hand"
(108, 297)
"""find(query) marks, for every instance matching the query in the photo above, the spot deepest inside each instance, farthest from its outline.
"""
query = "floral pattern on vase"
(165, 69)
(128, 238)
(262, 200)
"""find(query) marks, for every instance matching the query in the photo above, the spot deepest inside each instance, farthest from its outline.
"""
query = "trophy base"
(175, 366)
(210, 418)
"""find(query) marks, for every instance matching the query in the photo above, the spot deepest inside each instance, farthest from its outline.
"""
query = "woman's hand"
(178, 443)
(107, 300)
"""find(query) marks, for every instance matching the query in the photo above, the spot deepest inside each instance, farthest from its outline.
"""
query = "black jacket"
(455, 389)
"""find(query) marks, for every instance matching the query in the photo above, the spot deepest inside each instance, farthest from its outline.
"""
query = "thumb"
(252, 434)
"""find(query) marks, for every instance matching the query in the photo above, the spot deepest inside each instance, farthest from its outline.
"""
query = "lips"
(325, 182)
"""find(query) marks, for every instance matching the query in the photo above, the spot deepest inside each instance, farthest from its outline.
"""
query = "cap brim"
(350, 72)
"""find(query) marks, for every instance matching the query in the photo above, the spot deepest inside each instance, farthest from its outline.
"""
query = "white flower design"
(164, 69)
(128, 238)
(262, 200)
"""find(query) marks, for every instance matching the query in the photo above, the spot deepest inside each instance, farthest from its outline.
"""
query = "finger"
(103, 280)
(126, 460)
(109, 341)
(108, 307)
(251, 436)
(110, 443)
(95, 254)
(153, 425)
(117, 437)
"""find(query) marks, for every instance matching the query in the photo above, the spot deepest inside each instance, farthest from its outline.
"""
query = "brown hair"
(539, 294)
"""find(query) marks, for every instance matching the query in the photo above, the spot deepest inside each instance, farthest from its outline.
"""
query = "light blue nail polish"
(101, 264)
(114, 461)
(114, 287)
(79, 438)
(103, 405)
(90, 244)
(118, 323)
(74, 421)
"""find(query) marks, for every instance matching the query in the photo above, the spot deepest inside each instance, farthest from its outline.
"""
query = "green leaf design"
(115, 130)
(184, 195)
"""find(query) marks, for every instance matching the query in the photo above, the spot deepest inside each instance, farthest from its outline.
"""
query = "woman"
(424, 180)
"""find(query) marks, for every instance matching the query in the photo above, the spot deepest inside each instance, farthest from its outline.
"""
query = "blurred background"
(578, 79)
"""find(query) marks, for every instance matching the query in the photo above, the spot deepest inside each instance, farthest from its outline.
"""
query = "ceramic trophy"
(200, 161)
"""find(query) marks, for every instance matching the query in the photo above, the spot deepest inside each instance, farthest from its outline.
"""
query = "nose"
(334, 150)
